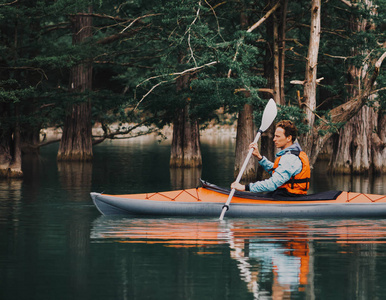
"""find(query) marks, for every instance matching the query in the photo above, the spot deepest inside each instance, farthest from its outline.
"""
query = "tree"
(199, 52)
(76, 142)
(37, 57)
(360, 145)
(185, 148)
(19, 82)
(246, 55)
(245, 128)
(274, 67)
(324, 116)
(309, 98)
(157, 62)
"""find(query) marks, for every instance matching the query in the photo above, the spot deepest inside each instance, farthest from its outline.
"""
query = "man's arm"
(289, 166)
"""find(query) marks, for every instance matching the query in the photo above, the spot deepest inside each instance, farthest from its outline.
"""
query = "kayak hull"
(206, 202)
(110, 206)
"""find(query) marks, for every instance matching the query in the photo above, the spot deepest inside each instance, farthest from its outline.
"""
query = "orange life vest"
(300, 183)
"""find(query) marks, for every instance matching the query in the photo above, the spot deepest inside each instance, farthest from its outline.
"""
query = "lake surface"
(54, 244)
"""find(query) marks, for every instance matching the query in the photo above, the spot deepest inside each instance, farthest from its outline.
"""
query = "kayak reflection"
(274, 257)
(277, 248)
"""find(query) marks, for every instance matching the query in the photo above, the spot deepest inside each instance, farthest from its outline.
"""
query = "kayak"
(208, 201)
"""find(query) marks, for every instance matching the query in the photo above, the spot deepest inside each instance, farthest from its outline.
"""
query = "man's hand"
(238, 186)
(256, 151)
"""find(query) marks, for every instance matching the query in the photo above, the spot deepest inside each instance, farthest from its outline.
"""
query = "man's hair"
(289, 129)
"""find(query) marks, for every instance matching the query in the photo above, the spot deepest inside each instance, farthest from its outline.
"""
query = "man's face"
(281, 141)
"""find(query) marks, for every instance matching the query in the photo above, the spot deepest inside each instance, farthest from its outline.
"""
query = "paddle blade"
(269, 115)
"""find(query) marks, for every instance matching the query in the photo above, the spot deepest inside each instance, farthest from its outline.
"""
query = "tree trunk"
(5, 148)
(350, 145)
(76, 142)
(310, 76)
(346, 111)
(245, 132)
(30, 134)
(276, 27)
(281, 42)
(245, 135)
(10, 144)
(16, 162)
(274, 67)
(10, 138)
(274, 72)
(185, 149)
(6, 157)
(353, 154)
(276, 60)
(378, 137)
(360, 145)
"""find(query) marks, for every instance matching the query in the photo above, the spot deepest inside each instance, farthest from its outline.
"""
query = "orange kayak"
(209, 200)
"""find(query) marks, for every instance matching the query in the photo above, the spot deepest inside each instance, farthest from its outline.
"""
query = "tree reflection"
(184, 178)
(275, 258)
(75, 178)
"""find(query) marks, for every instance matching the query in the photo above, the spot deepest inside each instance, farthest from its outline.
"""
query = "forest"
(124, 65)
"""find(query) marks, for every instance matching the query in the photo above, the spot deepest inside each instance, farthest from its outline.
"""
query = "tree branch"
(139, 18)
(348, 3)
(39, 70)
(378, 90)
(347, 110)
(10, 3)
(117, 36)
(302, 82)
(46, 143)
(380, 61)
(189, 30)
(178, 74)
(113, 135)
(265, 17)
(261, 90)
(155, 86)
(215, 16)
(253, 27)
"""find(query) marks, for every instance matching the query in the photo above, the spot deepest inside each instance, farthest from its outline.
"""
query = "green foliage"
(141, 51)
(295, 114)
(189, 40)
(381, 82)
(285, 112)
(343, 44)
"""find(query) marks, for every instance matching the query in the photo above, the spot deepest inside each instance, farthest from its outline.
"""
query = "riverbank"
(212, 130)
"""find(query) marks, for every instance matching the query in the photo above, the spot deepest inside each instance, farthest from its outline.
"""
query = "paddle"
(269, 115)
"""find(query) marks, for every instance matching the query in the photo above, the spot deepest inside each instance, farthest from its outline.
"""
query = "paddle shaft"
(226, 205)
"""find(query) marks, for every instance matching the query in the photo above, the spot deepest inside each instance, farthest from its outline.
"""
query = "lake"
(54, 244)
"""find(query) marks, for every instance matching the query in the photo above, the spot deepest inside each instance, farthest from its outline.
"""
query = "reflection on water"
(321, 180)
(184, 232)
(275, 258)
(55, 245)
(10, 192)
(75, 176)
(183, 177)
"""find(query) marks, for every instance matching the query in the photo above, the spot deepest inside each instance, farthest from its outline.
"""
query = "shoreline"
(54, 133)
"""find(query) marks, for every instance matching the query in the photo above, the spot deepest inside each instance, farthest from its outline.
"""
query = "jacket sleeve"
(289, 165)
(266, 164)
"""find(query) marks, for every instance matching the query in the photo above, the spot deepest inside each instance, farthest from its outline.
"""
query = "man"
(291, 169)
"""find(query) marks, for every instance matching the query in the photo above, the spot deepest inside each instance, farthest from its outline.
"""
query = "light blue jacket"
(289, 165)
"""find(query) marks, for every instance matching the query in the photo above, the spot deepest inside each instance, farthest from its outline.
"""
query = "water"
(54, 244)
